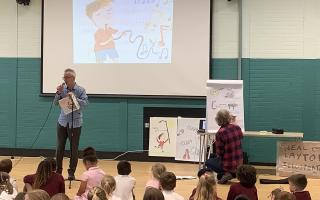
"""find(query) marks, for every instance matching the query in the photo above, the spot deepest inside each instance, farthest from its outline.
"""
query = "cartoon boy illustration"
(100, 12)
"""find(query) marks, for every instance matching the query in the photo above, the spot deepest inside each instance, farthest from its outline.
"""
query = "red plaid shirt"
(228, 146)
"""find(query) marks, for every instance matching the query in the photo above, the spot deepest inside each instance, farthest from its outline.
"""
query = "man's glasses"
(66, 77)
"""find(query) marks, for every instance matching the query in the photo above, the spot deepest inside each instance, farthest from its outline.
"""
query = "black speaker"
(24, 2)
(277, 131)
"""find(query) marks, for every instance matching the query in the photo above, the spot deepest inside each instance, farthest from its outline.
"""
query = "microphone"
(59, 88)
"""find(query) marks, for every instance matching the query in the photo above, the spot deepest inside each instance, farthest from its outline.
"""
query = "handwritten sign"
(298, 157)
(188, 141)
(224, 94)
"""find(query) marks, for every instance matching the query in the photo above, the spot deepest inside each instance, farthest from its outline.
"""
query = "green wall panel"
(279, 93)
(8, 122)
(225, 69)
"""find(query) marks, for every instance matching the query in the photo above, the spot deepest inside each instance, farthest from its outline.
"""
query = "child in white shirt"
(124, 182)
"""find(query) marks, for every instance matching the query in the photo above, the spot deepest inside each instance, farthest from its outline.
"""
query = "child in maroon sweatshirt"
(297, 184)
(247, 175)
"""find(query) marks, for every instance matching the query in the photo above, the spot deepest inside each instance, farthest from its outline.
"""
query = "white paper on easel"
(66, 104)
(224, 94)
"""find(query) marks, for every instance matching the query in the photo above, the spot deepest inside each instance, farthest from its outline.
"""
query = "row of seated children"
(46, 179)
(121, 186)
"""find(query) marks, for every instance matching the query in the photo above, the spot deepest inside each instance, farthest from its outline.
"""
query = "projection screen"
(127, 47)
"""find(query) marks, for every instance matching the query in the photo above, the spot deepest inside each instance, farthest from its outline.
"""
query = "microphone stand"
(71, 152)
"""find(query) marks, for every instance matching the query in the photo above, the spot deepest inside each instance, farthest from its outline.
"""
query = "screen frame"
(130, 95)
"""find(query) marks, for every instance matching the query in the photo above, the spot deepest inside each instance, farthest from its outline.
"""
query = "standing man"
(66, 128)
(228, 145)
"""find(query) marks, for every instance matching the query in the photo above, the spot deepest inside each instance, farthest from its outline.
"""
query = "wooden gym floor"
(141, 171)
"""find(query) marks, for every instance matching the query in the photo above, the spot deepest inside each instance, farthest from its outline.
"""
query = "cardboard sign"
(298, 157)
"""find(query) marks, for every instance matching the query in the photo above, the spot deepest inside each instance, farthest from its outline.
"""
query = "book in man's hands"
(69, 103)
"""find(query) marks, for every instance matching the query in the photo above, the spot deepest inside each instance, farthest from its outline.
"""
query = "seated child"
(152, 193)
(45, 179)
(286, 196)
(297, 184)
(275, 194)
(6, 166)
(200, 173)
(124, 182)
(157, 169)
(168, 183)
(206, 188)
(97, 193)
(7, 191)
(108, 184)
(37, 194)
(90, 178)
(247, 175)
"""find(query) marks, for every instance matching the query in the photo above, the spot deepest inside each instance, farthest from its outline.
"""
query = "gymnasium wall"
(280, 68)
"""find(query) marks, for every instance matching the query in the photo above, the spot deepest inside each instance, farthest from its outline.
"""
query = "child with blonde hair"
(206, 188)
(37, 194)
(108, 184)
(199, 174)
(157, 170)
(97, 193)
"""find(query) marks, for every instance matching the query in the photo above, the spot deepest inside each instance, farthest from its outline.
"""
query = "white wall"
(23, 40)
(225, 29)
(8, 24)
(271, 29)
(281, 29)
